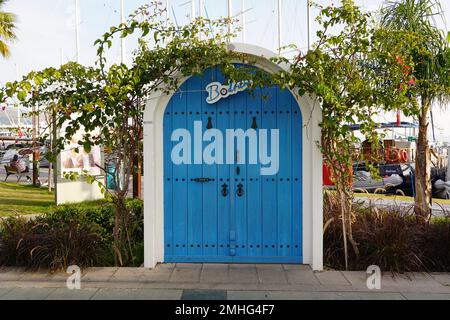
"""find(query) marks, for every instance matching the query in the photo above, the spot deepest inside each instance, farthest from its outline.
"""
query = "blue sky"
(46, 33)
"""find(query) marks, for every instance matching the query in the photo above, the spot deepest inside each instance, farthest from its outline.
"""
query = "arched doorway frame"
(312, 169)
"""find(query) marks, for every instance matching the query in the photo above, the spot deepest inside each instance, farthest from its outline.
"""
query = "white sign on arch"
(217, 91)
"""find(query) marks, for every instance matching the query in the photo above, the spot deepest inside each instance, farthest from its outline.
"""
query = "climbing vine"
(107, 101)
(352, 75)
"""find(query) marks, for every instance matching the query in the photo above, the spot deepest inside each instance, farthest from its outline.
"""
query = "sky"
(46, 32)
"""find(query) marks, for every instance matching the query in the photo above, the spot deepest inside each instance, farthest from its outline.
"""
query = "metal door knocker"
(225, 190)
(240, 190)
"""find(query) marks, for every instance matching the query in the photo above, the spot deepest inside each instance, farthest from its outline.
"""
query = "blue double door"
(230, 212)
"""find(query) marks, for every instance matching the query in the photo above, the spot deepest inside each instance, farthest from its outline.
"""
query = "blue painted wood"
(253, 179)
(262, 226)
(224, 122)
(168, 183)
(180, 185)
(195, 190)
(297, 190)
(269, 192)
(285, 174)
(210, 190)
(218, 259)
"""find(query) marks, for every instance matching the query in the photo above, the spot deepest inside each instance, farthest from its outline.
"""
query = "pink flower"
(411, 82)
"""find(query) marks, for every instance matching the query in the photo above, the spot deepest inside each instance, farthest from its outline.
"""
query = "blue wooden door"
(230, 212)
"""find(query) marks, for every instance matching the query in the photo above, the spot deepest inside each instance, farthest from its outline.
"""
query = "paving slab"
(4, 291)
(302, 277)
(165, 266)
(194, 266)
(66, 294)
(269, 281)
(357, 279)
(185, 275)
(214, 276)
(112, 285)
(27, 294)
(248, 295)
(426, 296)
(205, 295)
(157, 294)
(128, 275)
(277, 267)
(11, 274)
(423, 280)
(98, 274)
(32, 284)
(285, 295)
(156, 275)
(40, 275)
(137, 294)
(243, 275)
(393, 282)
(59, 276)
(272, 276)
(332, 278)
(215, 266)
(442, 278)
(115, 294)
(411, 282)
(242, 266)
(335, 296)
(302, 267)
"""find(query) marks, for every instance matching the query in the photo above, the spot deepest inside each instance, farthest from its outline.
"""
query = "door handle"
(240, 190)
(225, 190)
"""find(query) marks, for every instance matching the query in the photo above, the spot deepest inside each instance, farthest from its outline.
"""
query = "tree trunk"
(423, 196)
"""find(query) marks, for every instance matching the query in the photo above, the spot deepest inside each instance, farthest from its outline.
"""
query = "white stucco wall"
(76, 192)
(312, 170)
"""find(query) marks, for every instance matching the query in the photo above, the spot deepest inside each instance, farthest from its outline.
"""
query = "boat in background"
(394, 160)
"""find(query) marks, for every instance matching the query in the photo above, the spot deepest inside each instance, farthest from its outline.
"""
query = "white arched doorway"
(154, 180)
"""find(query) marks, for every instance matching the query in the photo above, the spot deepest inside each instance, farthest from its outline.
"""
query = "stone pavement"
(220, 282)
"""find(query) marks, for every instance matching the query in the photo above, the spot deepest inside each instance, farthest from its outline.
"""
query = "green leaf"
(87, 147)
(38, 80)
(22, 95)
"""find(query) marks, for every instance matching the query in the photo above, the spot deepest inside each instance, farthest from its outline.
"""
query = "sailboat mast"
(243, 21)
(201, 5)
(167, 12)
(230, 14)
(280, 38)
(122, 40)
(193, 10)
(77, 32)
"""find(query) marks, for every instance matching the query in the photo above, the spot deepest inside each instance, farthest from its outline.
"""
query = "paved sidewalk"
(220, 282)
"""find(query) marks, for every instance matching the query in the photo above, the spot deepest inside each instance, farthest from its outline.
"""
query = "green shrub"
(389, 237)
(77, 234)
(99, 214)
(57, 245)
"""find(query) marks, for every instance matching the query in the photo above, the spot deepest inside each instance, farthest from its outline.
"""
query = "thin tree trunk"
(344, 227)
(422, 180)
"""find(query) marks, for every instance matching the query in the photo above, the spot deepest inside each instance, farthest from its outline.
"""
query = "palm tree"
(7, 27)
(430, 57)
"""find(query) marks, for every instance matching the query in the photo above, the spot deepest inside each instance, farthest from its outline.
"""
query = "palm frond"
(4, 50)
(420, 18)
(7, 28)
